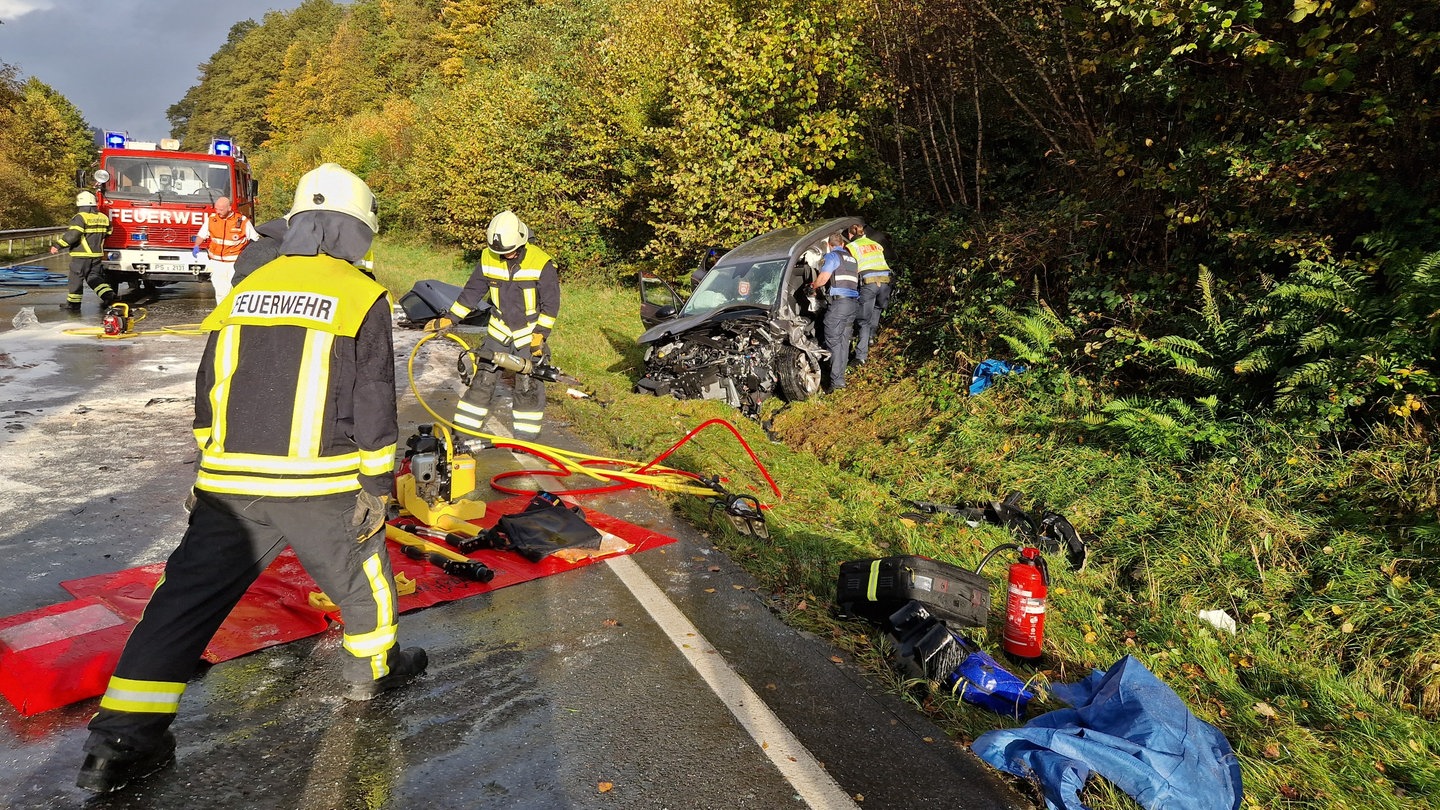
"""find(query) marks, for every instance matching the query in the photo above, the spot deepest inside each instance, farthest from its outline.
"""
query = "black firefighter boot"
(111, 764)
(408, 663)
(108, 296)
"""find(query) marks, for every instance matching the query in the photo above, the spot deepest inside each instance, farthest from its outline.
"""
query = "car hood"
(679, 326)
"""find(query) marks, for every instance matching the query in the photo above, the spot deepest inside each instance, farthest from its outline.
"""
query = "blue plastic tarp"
(984, 375)
(1132, 729)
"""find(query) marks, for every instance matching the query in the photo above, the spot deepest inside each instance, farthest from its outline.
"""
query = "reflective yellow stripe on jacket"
(497, 270)
(89, 229)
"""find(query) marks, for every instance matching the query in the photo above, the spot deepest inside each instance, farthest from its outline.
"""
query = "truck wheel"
(799, 374)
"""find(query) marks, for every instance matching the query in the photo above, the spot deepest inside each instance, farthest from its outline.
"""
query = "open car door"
(658, 300)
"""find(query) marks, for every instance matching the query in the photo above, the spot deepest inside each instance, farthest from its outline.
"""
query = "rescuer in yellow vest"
(522, 287)
(296, 424)
(224, 234)
(86, 239)
(874, 287)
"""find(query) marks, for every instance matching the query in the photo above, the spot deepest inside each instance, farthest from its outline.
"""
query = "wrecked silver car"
(751, 328)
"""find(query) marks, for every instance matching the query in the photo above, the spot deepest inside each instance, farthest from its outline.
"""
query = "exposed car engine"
(733, 361)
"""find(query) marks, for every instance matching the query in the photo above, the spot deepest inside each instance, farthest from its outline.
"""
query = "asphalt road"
(660, 680)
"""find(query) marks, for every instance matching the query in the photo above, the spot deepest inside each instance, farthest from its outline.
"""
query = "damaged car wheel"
(799, 374)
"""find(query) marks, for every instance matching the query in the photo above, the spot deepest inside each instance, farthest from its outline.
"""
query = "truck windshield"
(166, 178)
(753, 283)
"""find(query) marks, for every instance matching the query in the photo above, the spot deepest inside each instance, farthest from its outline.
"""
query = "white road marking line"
(815, 786)
(811, 781)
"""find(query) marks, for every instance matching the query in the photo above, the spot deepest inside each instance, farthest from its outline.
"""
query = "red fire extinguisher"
(1029, 583)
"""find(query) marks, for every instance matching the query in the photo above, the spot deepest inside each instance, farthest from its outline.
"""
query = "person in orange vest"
(224, 234)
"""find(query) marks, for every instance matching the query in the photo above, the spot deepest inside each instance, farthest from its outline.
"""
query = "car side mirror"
(666, 313)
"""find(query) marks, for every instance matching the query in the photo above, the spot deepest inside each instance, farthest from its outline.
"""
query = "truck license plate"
(168, 268)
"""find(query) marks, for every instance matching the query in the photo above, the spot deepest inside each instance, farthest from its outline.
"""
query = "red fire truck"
(157, 197)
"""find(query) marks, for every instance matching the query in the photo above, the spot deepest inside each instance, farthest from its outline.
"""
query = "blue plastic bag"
(984, 375)
(980, 681)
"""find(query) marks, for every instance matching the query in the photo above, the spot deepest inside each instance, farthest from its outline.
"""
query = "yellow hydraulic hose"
(571, 462)
(178, 329)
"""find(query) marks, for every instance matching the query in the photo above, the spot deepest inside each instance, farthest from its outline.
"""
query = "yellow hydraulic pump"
(441, 482)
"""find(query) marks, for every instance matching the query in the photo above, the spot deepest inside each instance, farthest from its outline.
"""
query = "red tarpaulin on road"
(64, 653)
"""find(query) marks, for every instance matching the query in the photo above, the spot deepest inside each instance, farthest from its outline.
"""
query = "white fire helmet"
(332, 187)
(506, 233)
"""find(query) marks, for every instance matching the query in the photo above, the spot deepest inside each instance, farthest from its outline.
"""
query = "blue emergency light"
(221, 146)
(114, 140)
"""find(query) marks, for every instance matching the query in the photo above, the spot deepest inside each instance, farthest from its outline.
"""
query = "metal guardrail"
(30, 240)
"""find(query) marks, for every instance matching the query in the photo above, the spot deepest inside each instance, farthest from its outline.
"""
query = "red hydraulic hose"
(560, 470)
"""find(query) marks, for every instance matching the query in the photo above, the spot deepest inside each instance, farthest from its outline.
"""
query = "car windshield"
(754, 283)
(165, 178)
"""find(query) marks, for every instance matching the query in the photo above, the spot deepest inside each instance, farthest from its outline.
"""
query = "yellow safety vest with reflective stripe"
(86, 235)
(871, 257)
(285, 408)
(513, 320)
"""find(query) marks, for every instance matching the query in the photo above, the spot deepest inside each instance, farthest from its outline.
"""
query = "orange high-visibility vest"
(227, 236)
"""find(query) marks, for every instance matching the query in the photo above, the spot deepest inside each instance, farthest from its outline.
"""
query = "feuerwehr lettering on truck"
(152, 216)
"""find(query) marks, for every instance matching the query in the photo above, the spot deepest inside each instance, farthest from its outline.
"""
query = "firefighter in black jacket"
(521, 284)
(295, 418)
(86, 239)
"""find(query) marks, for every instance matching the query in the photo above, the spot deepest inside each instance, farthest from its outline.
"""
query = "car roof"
(785, 243)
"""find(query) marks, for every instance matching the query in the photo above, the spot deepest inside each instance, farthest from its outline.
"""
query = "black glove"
(369, 515)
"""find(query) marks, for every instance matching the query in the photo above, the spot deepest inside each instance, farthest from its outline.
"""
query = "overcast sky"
(122, 62)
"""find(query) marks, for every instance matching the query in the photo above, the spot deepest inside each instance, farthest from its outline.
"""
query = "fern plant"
(1034, 335)
(1170, 430)
(1342, 339)
(1165, 353)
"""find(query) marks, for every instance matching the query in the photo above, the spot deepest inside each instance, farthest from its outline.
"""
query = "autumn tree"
(44, 142)
(765, 127)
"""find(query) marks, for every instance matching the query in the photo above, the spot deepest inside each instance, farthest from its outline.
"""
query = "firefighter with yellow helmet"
(86, 240)
(296, 424)
(522, 287)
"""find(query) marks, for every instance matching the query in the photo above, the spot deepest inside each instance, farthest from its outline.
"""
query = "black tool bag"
(874, 589)
(546, 526)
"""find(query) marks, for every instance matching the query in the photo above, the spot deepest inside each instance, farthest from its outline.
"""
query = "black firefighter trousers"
(231, 540)
(528, 406)
(88, 270)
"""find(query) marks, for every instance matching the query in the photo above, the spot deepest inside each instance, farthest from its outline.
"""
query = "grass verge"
(1329, 690)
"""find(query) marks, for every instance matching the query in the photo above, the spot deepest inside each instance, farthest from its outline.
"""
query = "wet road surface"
(565, 692)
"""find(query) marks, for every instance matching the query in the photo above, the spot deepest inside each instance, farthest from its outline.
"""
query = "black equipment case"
(873, 589)
(429, 299)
